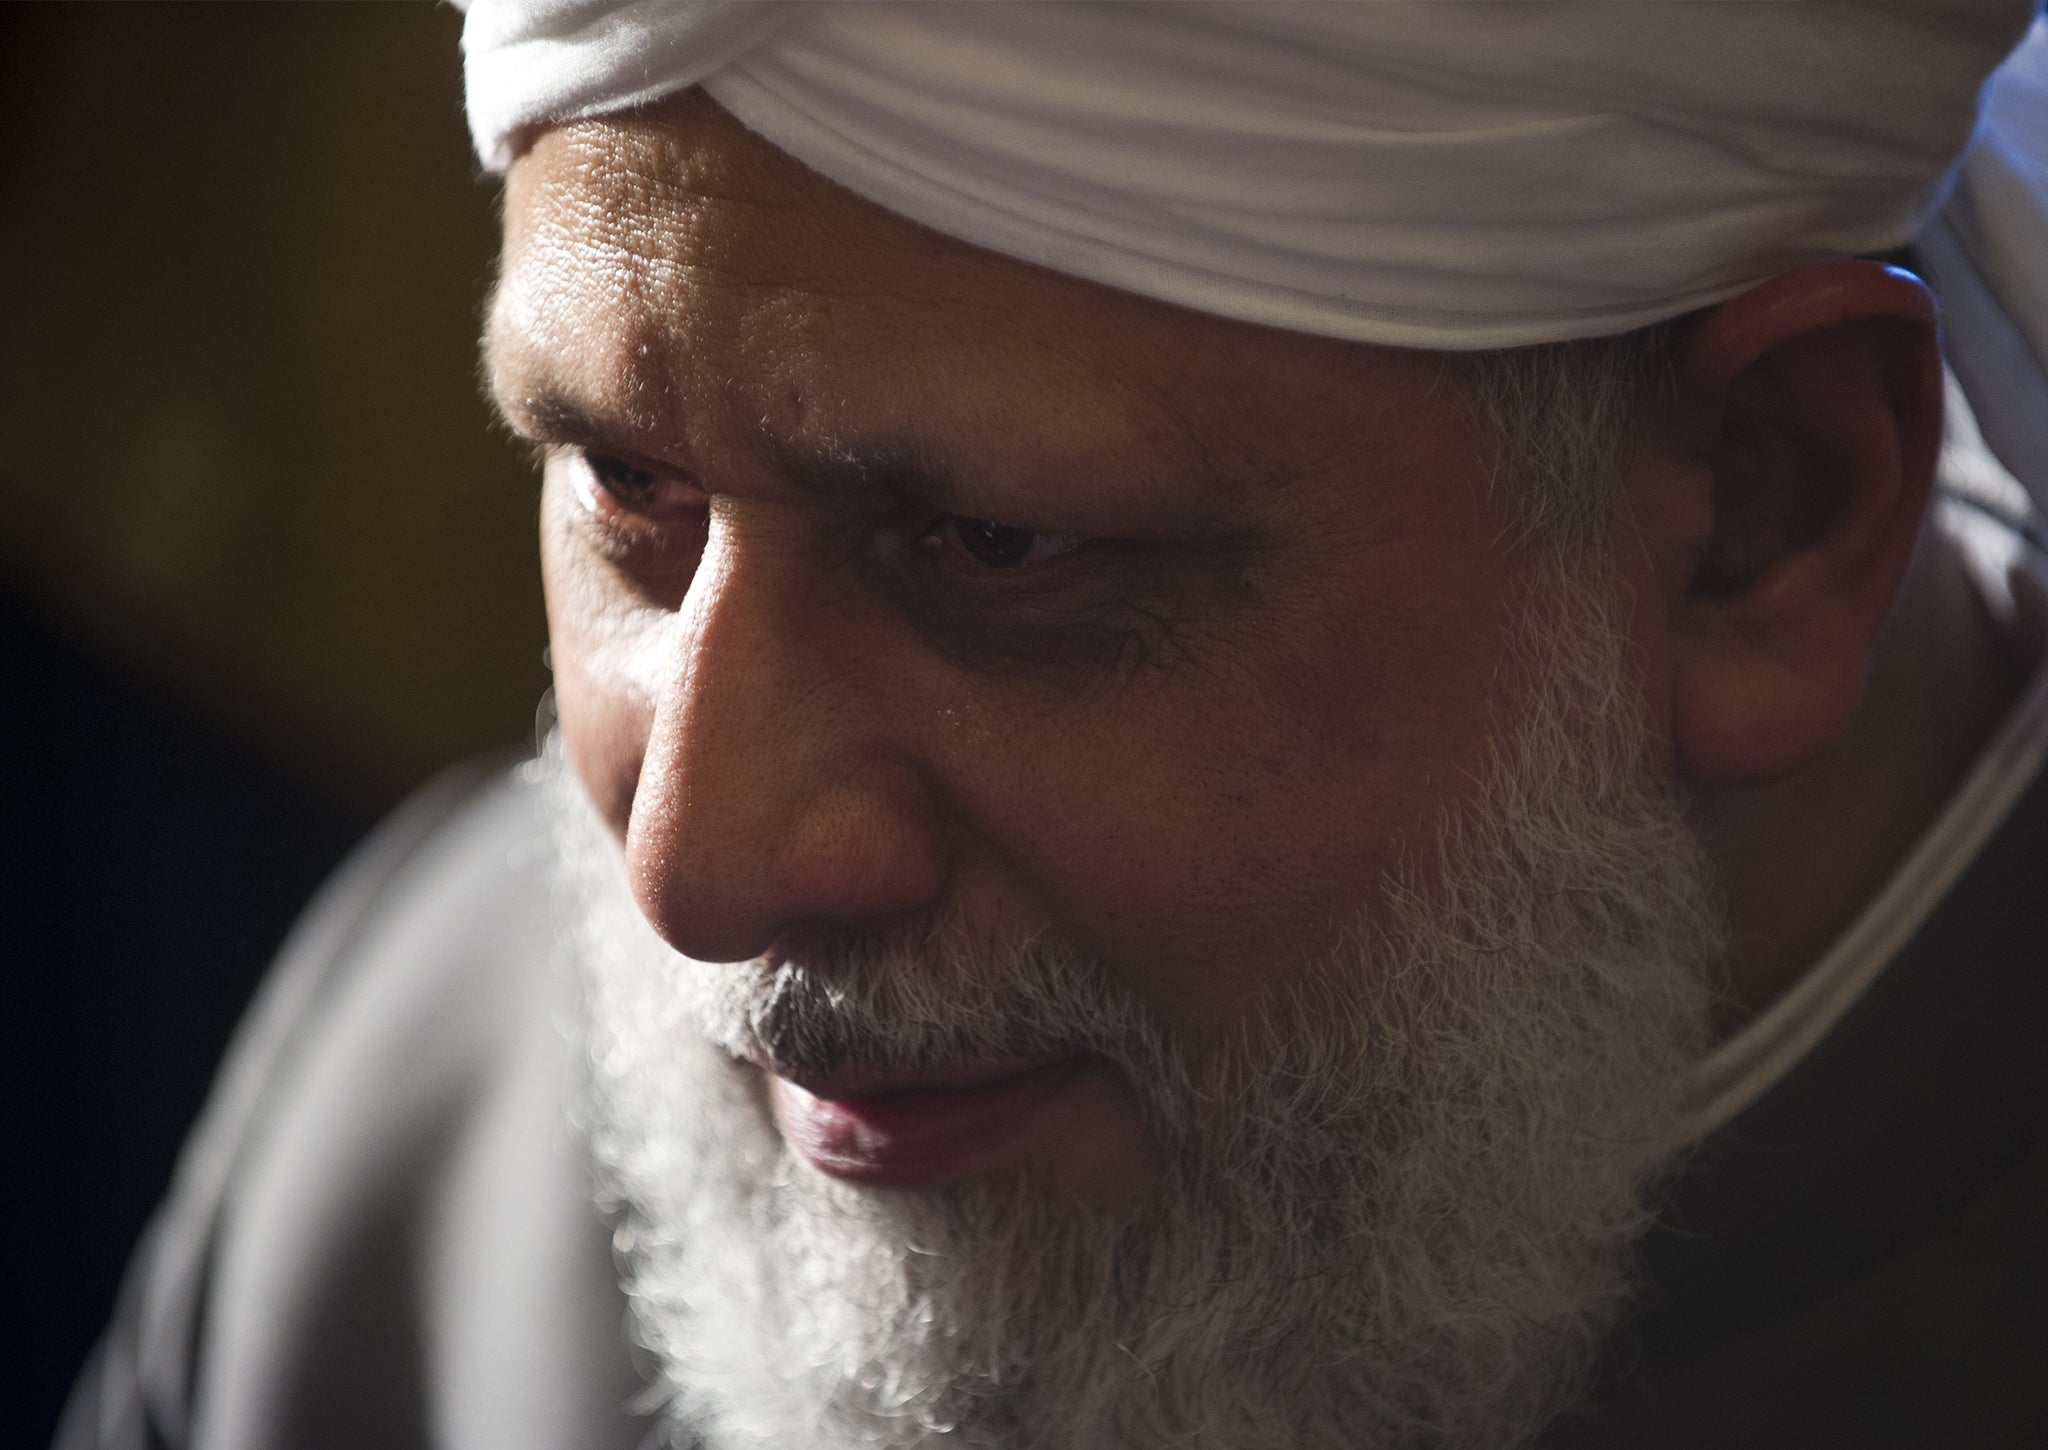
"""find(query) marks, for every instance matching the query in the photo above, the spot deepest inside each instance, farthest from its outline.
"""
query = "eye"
(998, 546)
(609, 486)
(631, 488)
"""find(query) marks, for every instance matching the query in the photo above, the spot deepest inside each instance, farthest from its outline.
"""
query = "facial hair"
(1401, 1196)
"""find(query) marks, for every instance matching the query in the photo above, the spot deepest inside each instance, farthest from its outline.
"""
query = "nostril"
(689, 905)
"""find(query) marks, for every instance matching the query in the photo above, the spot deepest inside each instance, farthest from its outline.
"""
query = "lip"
(939, 1128)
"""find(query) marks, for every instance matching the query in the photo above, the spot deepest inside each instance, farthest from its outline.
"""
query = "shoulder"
(393, 1113)
(395, 990)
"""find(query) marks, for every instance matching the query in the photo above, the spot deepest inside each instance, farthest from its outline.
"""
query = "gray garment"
(381, 1232)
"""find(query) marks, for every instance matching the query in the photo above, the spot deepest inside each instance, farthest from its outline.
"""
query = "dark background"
(264, 565)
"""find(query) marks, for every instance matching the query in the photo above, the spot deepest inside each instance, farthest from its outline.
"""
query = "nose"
(772, 794)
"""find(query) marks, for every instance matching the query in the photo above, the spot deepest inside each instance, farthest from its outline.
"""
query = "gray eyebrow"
(831, 470)
(550, 414)
(837, 470)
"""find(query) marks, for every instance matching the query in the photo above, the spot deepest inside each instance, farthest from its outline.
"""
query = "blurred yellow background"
(241, 267)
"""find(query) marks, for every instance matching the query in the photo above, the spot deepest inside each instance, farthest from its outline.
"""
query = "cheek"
(599, 638)
(1211, 836)
(1204, 850)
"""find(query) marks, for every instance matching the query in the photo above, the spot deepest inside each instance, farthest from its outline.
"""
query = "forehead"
(674, 225)
(683, 277)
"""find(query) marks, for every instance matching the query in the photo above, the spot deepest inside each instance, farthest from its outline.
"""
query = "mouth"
(926, 1128)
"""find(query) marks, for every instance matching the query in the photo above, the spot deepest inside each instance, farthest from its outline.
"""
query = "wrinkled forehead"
(634, 245)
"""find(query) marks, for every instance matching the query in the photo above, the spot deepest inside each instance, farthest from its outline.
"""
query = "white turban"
(1426, 174)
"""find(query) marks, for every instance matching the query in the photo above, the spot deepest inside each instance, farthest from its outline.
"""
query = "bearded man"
(1270, 734)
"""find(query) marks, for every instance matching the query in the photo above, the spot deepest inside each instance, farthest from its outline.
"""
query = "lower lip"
(924, 1137)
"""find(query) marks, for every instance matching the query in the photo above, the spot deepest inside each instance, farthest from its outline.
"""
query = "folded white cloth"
(1427, 174)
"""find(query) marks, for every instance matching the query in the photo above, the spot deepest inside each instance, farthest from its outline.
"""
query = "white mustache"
(916, 1001)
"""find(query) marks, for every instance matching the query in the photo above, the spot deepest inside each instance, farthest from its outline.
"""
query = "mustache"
(915, 999)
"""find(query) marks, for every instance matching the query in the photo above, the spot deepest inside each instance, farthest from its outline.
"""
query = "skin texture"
(1194, 739)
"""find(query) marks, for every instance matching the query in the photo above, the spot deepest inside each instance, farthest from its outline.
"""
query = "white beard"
(1400, 1206)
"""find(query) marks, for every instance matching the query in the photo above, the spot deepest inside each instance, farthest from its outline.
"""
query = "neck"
(1800, 858)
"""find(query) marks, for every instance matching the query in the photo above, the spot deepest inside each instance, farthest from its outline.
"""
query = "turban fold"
(1430, 175)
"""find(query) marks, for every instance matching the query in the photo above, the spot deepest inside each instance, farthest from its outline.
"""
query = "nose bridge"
(771, 792)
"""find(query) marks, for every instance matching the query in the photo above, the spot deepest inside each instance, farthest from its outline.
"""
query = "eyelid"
(942, 534)
(1081, 607)
(582, 451)
(1059, 545)
(680, 497)
(566, 448)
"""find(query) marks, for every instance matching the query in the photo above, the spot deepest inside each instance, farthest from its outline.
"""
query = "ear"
(1816, 401)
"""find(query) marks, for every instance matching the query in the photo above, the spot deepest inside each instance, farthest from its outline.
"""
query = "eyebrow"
(547, 416)
(832, 470)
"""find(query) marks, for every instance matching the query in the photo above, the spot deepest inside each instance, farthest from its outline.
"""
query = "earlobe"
(1816, 400)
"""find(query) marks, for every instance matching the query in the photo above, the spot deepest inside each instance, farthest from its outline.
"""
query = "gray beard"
(1401, 1198)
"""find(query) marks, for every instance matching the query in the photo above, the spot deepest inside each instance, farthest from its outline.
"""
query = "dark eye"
(998, 546)
(632, 488)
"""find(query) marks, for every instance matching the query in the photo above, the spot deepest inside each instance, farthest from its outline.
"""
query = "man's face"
(1167, 924)
(894, 582)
